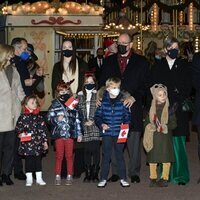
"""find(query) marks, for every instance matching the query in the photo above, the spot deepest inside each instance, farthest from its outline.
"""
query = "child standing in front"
(91, 138)
(157, 139)
(108, 117)
(32, 131)
(65, 128)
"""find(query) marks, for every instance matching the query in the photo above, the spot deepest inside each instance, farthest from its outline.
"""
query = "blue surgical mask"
(24, 55)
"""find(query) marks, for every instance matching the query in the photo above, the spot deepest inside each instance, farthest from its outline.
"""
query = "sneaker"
(69, 180)
(153, 183)
(162, 183)
(102, 183)
(58, 180)
(124, 183)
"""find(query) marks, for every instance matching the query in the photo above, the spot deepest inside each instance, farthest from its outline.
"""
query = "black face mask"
(121, 49)
(64, 97)
(89, 86)
(67, 53)
(100, 56)
(172, 53)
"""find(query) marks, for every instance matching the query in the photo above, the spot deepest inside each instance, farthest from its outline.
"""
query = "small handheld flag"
(124, 128)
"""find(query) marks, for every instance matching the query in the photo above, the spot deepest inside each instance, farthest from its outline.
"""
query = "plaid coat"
(91, 133)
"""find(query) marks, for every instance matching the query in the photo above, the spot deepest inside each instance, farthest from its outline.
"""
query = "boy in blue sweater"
(108, 117)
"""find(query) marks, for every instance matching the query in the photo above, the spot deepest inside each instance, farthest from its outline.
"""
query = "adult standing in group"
(68, 68)
(29, 83)
(196, 84)
(133, 70)
(174, 72)
(96, 63)
(12, 94)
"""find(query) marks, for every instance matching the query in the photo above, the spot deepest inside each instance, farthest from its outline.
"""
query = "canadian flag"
(71, 103)
(25, 137)
(123, 134)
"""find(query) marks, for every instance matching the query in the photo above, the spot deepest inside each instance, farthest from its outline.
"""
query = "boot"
(95, 172)
(29, 179)
(87, 174)
(39, 180)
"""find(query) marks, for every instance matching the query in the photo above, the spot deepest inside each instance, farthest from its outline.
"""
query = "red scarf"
(27, 111)
(123, 61)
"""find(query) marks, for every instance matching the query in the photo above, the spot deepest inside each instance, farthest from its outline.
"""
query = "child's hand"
(89, 123)
(105, 127)
(60, 118)
(20, 135)
(79, 139)
(45, 146)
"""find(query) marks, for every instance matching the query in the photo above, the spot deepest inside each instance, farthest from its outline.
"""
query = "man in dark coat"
(96, 63)
(133, 70)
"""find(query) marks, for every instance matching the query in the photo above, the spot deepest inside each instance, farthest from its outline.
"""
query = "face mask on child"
(114, 92)
(89, 86)
(64, 97)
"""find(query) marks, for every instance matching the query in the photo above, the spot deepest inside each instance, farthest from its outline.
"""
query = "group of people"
(88, 110)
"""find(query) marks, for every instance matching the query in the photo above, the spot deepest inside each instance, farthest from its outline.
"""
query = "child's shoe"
(39, 180)
(29, 179)
(69, 180)
(102, 183)
(58, 180)
(153, 183)
(162, 183)
(124, 183)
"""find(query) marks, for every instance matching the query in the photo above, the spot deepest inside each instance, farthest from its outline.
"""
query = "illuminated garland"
(164, 7)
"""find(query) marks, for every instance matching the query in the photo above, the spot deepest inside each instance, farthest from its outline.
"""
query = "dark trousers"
(33, 164)
(17, 164)
(108, 143)
(134, 149)
(7, 143)
(92, 151)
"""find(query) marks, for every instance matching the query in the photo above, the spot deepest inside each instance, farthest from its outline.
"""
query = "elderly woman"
(174, 73)
(12, 94)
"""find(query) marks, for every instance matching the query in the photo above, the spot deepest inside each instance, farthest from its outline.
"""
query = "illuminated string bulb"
(154, 18)
(196, 44)
(190, 14)
(139, 43)
(181, 15)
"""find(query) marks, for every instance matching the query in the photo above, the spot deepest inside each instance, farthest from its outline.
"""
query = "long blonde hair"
(5, 52)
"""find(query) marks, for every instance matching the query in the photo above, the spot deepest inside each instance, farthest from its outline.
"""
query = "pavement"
(113, 191)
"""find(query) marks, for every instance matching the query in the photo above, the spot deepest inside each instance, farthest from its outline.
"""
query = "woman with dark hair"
(174, 72)
(68, 68)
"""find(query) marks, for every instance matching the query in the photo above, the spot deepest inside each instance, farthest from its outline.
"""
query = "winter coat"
(91, 133)
(178, 82)
(135, 80)
(34, 124)
(196, 83)
(69, 127)
(112, 114)
(10, 103)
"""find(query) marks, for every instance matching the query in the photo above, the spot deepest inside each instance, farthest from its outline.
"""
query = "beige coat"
(10, 101)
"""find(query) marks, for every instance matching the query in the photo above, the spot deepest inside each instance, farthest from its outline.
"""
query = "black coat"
(94, 66)
(196, 83)
(179, 83)
(135, 80)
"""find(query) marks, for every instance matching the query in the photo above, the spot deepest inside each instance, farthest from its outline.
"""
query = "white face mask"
(115, 92)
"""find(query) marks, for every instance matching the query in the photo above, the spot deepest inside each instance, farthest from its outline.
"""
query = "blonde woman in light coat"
(12, 94)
